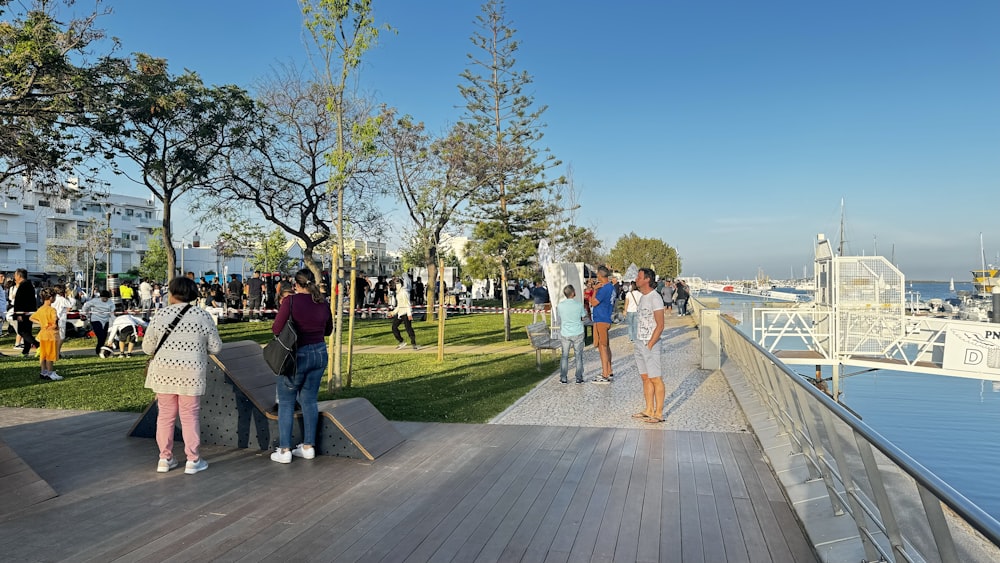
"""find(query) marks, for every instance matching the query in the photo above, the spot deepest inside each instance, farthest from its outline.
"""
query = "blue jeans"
(577, 343)
(681, 305)
(304, 388)
(632, 321)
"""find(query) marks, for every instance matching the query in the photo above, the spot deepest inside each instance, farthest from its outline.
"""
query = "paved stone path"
(696, 399)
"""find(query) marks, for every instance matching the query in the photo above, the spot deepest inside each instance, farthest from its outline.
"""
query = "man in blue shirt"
(571, 314)
(539, 297)
(601, 307)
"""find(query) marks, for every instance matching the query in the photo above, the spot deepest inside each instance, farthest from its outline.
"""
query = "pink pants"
(189, 407)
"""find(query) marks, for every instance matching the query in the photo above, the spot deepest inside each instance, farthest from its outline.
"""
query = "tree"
(580, 244)
(430, 181)
(513, 208)
(645, 253)
(175, 129)
(282, 171)
(341, 31)
(154, 261)
(271, 254)
(49, 91)
(66, 259)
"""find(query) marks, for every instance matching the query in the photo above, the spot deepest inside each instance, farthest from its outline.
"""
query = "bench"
(239, 409)
(541, 339)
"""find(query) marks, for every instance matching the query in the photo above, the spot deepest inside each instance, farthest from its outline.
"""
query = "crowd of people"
(180, 332)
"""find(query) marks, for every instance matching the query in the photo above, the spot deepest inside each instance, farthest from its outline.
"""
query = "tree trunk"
(168, 244)
(506, 303)
(431, 288)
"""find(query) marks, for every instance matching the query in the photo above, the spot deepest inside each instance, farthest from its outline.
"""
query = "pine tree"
(514, 205)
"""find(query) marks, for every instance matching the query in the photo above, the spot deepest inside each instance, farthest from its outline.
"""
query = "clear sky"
(730, 129)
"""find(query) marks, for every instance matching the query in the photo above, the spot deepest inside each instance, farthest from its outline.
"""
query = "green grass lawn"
(463, 388)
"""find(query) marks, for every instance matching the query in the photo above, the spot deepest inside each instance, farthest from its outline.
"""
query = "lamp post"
(107, 274)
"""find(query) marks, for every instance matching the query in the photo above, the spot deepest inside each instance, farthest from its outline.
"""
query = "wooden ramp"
(239, 409)
(20, 486)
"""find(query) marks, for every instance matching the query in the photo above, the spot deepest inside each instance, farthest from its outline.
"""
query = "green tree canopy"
(49, 89)
(645, 253)
(154, 261)
(175, 129)
(271, 254)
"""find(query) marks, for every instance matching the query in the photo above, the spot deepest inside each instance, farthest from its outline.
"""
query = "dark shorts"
(127, 334)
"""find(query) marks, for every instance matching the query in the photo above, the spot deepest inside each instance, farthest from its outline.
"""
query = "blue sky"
(730, 129)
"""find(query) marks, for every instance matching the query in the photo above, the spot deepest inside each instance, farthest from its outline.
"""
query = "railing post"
(711, 341)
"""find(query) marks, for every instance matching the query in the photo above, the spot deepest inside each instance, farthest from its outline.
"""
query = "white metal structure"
(858, 319)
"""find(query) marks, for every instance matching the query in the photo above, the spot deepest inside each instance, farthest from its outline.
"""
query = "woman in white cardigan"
(178, 370)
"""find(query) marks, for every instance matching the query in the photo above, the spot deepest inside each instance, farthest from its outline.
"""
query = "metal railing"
(895, 502)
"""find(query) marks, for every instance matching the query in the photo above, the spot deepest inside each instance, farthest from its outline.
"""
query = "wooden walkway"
(448, 493)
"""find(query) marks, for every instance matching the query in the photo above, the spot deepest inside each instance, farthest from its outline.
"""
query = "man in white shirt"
(647, 346)
(125, 329)
(145, 297)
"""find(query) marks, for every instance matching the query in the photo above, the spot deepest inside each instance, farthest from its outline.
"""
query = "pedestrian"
(125, 292)
(571, 315)
(361, 288)
(62, 305)
(601, 307)
(539, 297)
(99, 311)
(3, 303)
(381, 292)
(24, 304)
(48, 335)
(179, 340)
(681, 296)
(647, 352)
(418, 292)
(125, 328)
(668, 295)
(255, 291)
(631, 306)
(313, 322)
(403, 313)
(145, 297)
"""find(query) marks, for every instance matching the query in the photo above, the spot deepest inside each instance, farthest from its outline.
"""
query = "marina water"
(950, 425)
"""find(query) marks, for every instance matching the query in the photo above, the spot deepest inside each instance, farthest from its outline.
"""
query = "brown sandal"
(640, 415)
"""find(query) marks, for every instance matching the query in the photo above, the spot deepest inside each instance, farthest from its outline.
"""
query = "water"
(950, 425)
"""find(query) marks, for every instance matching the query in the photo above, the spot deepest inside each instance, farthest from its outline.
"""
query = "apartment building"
(69, 229)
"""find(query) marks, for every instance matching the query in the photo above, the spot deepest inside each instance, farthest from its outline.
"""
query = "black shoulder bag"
(166, 334)
(279, 353)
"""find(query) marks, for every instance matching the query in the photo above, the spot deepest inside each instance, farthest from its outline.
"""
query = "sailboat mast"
(982, 251)
(840, 246)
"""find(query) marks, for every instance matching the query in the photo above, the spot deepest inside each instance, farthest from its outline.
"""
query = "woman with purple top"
(313, 321)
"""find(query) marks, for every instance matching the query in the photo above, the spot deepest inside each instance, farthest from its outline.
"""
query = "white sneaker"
(282, 457)
(193, 467)
(401, 346)
(165, 465)
(299, 451)
(53, 376)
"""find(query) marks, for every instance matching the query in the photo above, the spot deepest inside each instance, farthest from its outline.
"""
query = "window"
(3, 255)
(28, 207)
(31, 232)
(59, 230)
(44, 203)
(3, 226)
(31, 257)
(129, 212)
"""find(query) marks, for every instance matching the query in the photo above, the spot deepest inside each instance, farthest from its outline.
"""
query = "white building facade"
(55, 231)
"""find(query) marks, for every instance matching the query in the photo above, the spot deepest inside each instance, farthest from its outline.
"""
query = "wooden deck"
(448, 493)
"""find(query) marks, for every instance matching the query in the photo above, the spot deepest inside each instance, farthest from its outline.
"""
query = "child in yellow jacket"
(48, 336)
